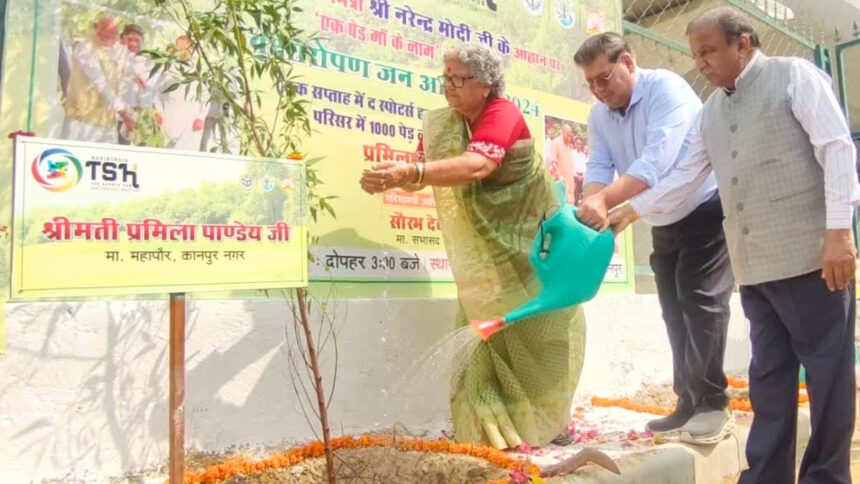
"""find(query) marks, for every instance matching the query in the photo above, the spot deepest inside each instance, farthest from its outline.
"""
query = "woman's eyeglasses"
(455, 81)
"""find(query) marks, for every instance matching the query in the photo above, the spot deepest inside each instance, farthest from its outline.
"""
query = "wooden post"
(177, 388)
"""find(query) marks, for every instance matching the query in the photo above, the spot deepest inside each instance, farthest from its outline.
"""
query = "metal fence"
(847, 55)
(656, 31)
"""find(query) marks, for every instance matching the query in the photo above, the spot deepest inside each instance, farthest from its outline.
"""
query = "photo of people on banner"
(108, 95)
(566, 153)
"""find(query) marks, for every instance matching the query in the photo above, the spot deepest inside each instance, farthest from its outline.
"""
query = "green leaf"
(330, 210)
(231, 71)
(172, 87)
(157, 67)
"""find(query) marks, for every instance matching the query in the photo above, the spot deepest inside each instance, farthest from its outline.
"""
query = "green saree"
(518, 387)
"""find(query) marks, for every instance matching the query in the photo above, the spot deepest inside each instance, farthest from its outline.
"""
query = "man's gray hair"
(104, 18)
(607, 44)
(729, 20)
(486, 65)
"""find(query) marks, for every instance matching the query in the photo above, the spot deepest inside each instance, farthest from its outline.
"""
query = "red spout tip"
(485, 328)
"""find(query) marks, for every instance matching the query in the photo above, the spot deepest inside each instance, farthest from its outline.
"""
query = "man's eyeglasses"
(456, 81)
(603, 81)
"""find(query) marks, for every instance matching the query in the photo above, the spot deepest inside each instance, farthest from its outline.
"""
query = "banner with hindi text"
(100, 219)
(369, 80)
(376, 72)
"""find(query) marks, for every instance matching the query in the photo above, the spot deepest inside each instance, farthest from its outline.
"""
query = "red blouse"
(499, 127)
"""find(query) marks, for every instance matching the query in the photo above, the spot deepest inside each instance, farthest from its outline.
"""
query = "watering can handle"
(543, 248)
(561, 195)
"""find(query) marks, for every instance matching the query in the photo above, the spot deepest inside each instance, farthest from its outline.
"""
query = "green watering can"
(569, 259)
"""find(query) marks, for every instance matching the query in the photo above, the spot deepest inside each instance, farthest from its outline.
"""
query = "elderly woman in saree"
(491, 192)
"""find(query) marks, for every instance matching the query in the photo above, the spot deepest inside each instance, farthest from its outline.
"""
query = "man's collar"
(745, 73)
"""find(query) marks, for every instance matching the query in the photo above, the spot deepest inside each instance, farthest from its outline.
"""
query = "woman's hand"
(385, 176)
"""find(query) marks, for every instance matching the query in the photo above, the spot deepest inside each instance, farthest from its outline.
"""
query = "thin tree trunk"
(315, 369)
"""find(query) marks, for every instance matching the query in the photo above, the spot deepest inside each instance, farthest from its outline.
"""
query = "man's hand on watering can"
(621, 217)
(592, 211)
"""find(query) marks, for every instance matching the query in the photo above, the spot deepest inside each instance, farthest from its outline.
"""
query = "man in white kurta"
(184, 116)
(95, 70)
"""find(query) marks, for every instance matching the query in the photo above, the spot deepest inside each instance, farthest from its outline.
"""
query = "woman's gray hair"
(486, 65)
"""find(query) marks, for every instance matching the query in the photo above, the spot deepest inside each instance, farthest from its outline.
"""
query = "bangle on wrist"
(420, 167)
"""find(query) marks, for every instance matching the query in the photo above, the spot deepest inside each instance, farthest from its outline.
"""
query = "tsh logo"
(108, 171)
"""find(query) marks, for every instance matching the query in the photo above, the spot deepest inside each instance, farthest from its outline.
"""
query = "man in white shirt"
(183, 115)
(777, 141)
(637, 133)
